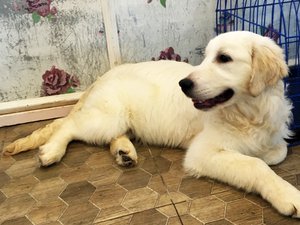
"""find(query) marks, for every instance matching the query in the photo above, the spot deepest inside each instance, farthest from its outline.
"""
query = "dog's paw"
(126, 158)
(50, 154)
(287, 201)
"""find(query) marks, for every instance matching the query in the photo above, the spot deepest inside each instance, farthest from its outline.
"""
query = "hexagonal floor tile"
(18, 221)
(105, 175)
(149, 215)
(49, 188)
(22, 168)
(134, 179)
(230, 195)
(76, 155)
(291, 164)
(19, 186)
(45, 212)
(195, 188)
(271, 216)
(109, 197)
(77, 192)
(111, 213)
(140, 199)
(18, 206)
(207, 209)
(100, 159)
(43, 173)
(243, 212)
(76, 174)
(185, 219)
(2, 197)
(161, 165)
(4, 179)
(81, 213)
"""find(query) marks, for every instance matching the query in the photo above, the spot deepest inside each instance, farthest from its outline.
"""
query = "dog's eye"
(222, 58)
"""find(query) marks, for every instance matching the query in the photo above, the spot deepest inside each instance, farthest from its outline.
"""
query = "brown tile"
(144, 151)
(2, 197)
(291, 164)
(207, 209)
(76, 174)
(149, 215)
(185, 219)
(195, 188)
(156, 165)
(105, 175)
(125, 220)
(134, 179)
(257, 199)
(81, 213)
(220, 222)
(173, 154)
(280, 172)
(19, 186)
(48, 189)
(22, 168)
(4, 179)
(45, 212)
(77, 192)
(220, 187)
(168, 198)
(230, 195)
(111, 213)
(177, 168)
(100, 159)
(157, 185)
(76, 155)
(25, 155)
(243, 212)
(170, 211)
(43, 173)
(18, 221)
(272, 217)
(140, 199)
(105, 198)
(15, 207)
(291, 179)
(6, 162)
(94, 148)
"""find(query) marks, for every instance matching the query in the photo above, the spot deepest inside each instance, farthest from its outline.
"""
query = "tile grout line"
(164, 183)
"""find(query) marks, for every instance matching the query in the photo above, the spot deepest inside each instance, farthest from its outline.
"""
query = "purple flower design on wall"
(57, 81)
(169, 54)
(38, 8)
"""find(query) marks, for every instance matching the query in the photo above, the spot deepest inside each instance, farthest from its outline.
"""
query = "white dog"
(233, 128)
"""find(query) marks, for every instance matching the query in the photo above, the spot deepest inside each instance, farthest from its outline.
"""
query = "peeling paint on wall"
(69, 34)
(70, 42)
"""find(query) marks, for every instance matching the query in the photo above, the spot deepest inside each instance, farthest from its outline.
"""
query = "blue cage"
(277, 19)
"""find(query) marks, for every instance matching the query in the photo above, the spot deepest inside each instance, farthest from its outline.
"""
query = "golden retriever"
(232, 119)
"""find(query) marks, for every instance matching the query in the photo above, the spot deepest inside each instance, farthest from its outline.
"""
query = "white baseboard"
(36, 109)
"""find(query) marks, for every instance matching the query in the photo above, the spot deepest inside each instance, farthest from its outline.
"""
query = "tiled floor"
(87, 187)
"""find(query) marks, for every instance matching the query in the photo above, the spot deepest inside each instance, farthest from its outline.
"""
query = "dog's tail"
(34, 140)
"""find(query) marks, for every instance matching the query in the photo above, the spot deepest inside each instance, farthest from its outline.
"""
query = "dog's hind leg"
(124, 151)
(89, 125)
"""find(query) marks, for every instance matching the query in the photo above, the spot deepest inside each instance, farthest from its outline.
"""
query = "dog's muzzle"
(187, 86)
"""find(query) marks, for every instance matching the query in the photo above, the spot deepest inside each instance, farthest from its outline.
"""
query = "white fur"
(232, 142)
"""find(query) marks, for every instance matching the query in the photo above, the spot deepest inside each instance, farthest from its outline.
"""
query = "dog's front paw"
(50, 154)
(126, 158)
(287, 201)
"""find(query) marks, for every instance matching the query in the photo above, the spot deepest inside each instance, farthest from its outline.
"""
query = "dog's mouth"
(212, 102)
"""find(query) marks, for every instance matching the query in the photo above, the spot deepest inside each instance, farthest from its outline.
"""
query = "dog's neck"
(258, 111)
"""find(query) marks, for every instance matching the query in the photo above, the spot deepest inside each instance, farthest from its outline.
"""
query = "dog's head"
(236, 64)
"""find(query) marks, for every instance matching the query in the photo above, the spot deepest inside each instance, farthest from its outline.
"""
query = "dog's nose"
(186, 84)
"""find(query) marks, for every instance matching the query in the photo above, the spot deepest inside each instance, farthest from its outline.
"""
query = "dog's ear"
(268, 66)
